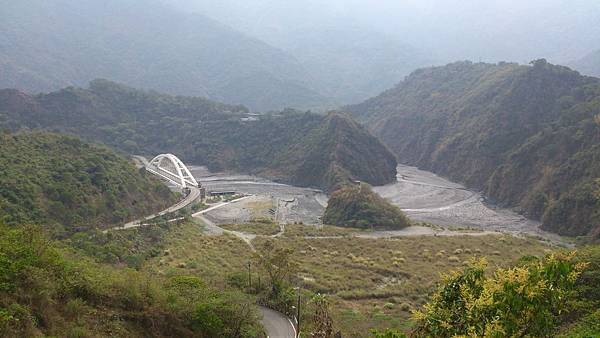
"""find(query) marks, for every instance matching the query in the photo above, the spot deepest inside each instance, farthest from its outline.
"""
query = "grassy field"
(211, 258)
(258, 227)
(371, 283)
(377, 282)
(300, 230)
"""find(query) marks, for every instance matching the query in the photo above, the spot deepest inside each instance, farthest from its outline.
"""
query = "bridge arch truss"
(171, 168)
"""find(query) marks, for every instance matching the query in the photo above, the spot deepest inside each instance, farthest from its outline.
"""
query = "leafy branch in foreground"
(524, 301)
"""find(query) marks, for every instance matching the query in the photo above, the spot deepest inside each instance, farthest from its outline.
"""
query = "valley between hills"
(451, 226)
(258, 241)
(299, 169)
(423, 196)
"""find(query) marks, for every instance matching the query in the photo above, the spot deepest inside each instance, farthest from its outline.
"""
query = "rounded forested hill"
(358, 206)
(71, 185)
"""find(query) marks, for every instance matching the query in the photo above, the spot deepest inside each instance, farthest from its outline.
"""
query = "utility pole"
(249, 276)
(298, 314)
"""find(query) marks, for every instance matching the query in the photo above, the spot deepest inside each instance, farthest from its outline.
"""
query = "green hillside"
(49, 291)
(359, 206)
(70, 185)
(528, 136)
(301, 148)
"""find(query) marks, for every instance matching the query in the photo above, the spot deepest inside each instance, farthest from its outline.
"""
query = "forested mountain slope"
(301, 148)
(528, 136)
(47, 45)
(69, 185)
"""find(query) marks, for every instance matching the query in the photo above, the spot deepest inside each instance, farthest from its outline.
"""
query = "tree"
(322, 318)
(524, 301)
(277, 263)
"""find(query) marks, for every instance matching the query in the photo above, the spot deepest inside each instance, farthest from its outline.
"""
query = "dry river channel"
(424, 197)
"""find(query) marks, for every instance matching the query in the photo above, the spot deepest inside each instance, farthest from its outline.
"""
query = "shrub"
(522, 301)
(358, 206)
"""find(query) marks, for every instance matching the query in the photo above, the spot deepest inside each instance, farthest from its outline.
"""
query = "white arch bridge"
(170, 168)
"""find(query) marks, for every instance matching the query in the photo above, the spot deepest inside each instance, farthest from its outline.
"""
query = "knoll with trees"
(356, 205)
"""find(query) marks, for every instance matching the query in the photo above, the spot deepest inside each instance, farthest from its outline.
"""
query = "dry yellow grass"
(376, 282)
(300, 230)
(372, 283)
(190, 252)
(261, 228)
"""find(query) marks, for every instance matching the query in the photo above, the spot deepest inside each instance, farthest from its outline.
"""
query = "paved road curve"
(189, 199)
(276, 324)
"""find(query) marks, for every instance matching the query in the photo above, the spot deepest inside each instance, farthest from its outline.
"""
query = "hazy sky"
(492, 30)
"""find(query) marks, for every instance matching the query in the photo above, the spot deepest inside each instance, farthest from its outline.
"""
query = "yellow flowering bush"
(524, 301)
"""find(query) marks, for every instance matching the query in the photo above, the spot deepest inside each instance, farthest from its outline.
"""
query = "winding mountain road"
(276, 324)
(189, 199)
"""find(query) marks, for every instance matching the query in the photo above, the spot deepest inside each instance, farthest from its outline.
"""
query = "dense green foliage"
(556, 296)
(525, 135)
(45, 291)
(583, 316)
(301, 148)
(51, 44)
(131, 248)
(524, 301)
(62, 182)
(358, 206)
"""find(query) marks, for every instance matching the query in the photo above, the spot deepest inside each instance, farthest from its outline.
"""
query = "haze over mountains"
(493, 30)
(589, 64)
(268, 54)
(348, 60)
(47, 45)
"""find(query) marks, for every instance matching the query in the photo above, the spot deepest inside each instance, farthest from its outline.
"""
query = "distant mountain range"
(528, 136)
(296, 147)
(347, 60)
(589, 64)
(47, 45)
